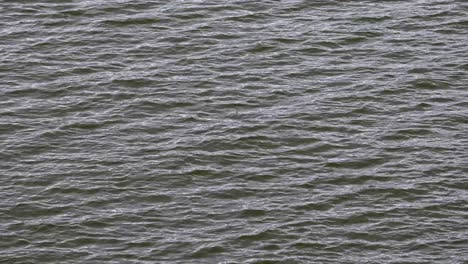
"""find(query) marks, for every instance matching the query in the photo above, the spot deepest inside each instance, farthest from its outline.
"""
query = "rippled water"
(234, 131)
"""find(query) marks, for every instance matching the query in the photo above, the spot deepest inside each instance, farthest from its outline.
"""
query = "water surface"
(233, 131)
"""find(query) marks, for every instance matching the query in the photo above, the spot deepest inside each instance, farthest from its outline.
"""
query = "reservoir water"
(234, 131)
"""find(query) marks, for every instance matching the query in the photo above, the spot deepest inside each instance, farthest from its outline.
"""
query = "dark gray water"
(234, 131)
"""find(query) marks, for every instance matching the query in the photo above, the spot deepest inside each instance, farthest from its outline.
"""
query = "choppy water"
(234, 131)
